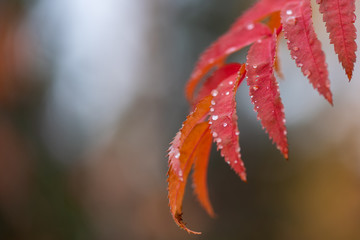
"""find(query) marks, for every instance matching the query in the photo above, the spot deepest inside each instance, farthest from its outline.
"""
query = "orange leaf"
(199, 114)
(176, 184)
(202, 155)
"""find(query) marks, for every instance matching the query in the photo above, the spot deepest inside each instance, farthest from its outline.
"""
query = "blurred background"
(91, 94)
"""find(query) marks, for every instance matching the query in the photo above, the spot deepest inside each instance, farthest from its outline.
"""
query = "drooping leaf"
(223, 120)
(339, 17)
(199, 114)
(201, 161)
(176, 185)
(264, 91)
(229, 43)
(304, 45)
(216, 78)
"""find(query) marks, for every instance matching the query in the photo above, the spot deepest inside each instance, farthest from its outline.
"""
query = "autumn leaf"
(304, 46)
(198, 115)
(259, 11)
(229, 43)
(216, 78)
(176, 185)
(223, 120)
(339, 17)
(214, 106)
(201, 162)
(264, 91)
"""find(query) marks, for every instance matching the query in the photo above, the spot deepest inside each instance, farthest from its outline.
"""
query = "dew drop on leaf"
(215, 117)
(214, 93)
(250, 26)
(289, 12)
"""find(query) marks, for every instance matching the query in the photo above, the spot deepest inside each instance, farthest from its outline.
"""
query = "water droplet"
(227, 93)
(221, 147)
(224, 124)
(284, 120)
(212, 109)
(255, 88)
(180, 173)
(237, 133)
(289, 12)
(259, 41)
(285, 132)
(213, 102)
(215, 117)
(177, 155)
(307, 73)
(299, 64)
(228, 162)
(214, 134)
(231, 82)
(294, 57)
(210, 122)
(353, 18)
(238, 149)
(295, 48)
(254, 66)
(291, 20)
(218, 140)
(235, 161)
(250, 26)
(214, 93)
(288, 41)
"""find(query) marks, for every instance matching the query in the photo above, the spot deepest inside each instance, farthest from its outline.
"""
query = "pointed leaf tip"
(176, 184)
(202, 155)
(339, 16)
(304, 46)
(223, 120)
(264, 91)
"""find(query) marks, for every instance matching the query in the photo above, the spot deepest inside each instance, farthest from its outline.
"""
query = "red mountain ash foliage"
(214, 106)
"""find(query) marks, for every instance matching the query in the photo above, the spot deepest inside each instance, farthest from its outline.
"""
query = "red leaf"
(223, 120)
(264, 91)
(199, 114)
(200, 172)
(227, 44)
(339, 17)
(259, 11)
(304, 45)
(216, 78)
(176, 185)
